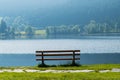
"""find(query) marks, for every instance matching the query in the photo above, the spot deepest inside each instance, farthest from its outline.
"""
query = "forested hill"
(78, 12)
(64, 12)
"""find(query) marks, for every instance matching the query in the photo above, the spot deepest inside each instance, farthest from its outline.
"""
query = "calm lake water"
(94, 50)
(29, 59)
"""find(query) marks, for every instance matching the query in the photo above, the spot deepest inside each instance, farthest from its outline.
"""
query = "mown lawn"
(95, 67)
(63, 76)
(60, 76)
(40, 32)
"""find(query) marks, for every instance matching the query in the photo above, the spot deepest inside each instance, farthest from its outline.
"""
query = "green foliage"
(110, 27)
(59, 76)
(40, 32)
(5, 31)
(63, 76)
(29, 31)
(75, 29)
(91, 27)
(63, 29)
(19, 27)
(95, 67)
(3, 27)
(64, 65)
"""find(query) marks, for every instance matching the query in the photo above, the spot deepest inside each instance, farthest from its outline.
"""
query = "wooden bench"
(40, 55)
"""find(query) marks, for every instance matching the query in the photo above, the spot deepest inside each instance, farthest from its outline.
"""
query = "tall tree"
(3, 27)
(29, 31)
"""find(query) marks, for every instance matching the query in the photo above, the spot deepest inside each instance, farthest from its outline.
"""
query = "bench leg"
(43, 59)
(73, 61)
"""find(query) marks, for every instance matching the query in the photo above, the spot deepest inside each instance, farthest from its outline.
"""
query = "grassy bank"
(63, 76)
(95, 67)
(59, 76)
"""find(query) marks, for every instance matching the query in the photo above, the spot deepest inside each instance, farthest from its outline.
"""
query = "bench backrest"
(41, 55)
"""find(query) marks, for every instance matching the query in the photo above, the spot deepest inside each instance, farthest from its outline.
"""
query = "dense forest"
(19, 27)
(81, 17)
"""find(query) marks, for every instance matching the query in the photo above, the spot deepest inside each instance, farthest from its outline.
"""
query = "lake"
(94, 50)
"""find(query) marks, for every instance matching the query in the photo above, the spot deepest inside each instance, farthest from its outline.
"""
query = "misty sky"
(11, 5)
(29, 4)
(65, 11)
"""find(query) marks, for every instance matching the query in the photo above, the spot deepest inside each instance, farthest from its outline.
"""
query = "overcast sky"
(19, 7)
(35, 4)
(29, 4)
(48, 11)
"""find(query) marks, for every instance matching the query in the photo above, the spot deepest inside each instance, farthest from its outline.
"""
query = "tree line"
(91, 28)
(20, 27)
(11, 31)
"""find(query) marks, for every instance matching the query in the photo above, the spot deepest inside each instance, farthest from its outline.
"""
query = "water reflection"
(73, 36)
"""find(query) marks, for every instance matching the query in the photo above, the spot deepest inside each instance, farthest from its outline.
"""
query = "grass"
(69, 67)
(95, 67)
(63, 76)
(40, 32)
(64, 65)
(59, 76)
(37, 32)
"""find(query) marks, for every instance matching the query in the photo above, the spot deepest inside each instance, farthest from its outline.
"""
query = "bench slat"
(57, 54)
(58, 59)
(58, 51)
